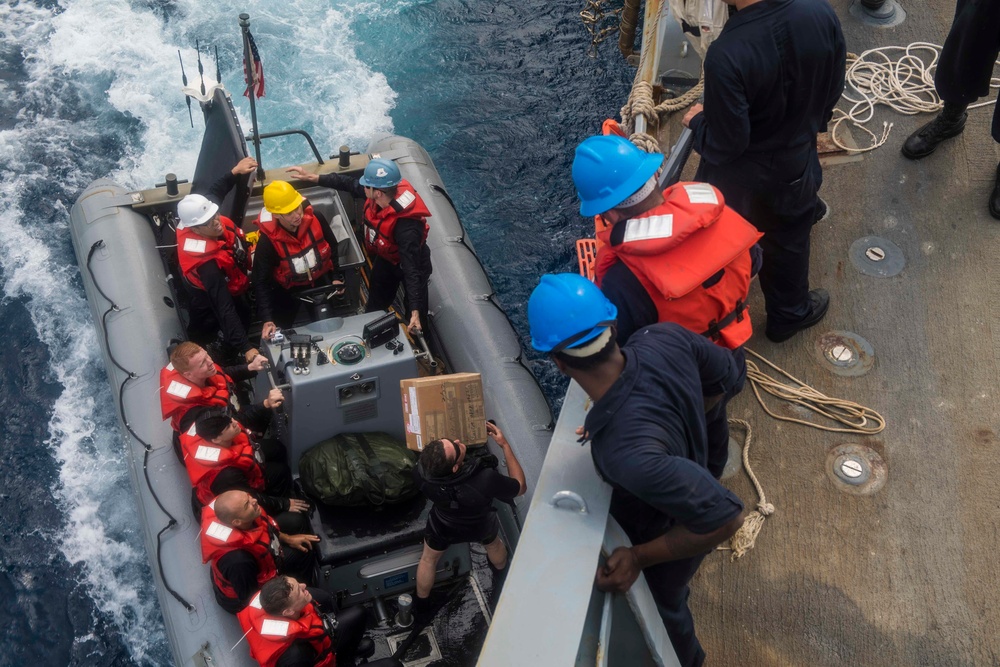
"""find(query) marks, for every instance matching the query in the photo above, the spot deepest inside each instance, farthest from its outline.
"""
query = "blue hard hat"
(381, 173)
(567, 310)
(609, 169)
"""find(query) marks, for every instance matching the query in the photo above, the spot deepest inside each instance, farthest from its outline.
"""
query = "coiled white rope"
(852, 417)
(905, 84)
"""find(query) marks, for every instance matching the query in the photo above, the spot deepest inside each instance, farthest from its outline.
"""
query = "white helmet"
(195, 210)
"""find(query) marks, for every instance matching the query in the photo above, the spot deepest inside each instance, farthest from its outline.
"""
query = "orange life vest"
(261, 542)
(229, 252)
(269, 636)
(380, 223)
(301, 258)
(178, 394)
(204, 461)
(675, 248)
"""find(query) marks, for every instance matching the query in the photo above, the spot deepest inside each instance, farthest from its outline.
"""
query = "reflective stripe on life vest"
(677, 249)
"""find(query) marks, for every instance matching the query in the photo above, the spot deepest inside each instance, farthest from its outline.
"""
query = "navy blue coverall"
(966, 65)
(653, 441)
(772, 79)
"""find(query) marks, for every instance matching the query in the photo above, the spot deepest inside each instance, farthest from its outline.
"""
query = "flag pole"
(248, 73)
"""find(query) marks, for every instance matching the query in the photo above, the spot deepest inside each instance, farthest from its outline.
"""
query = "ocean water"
(498, 92)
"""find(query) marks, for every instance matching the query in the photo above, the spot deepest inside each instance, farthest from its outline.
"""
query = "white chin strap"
(591, 348)
(639, 194)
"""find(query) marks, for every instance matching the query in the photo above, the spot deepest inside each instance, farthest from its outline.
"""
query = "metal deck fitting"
(878, 13)
(844, 353)
(877, 257)
(856, 469)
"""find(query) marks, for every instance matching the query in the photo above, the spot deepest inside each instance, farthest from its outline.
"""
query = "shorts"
(439, 535)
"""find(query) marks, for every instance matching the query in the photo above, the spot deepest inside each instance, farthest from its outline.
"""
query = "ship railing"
(549, 612)
(285, 133)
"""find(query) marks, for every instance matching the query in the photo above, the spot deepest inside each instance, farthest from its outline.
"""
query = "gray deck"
(908, 575)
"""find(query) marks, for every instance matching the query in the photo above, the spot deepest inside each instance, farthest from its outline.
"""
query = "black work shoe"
(995, 197)
(822, 209)
(365, 649)
(819, 303)
(423, 609)
(924, 141)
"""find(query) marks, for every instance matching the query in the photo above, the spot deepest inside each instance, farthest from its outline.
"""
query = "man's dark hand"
(619, 572)
(691, 113)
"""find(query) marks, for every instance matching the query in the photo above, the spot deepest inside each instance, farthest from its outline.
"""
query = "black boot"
(423, 609)
(949, 123)
(819, 303)
(995, 197)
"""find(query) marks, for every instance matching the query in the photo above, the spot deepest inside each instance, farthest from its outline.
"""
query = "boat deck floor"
(907, 574)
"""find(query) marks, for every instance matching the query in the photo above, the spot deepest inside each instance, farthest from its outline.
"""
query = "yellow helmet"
(281, 198)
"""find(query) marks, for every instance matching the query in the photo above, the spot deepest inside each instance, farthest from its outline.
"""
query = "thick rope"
(855, 418)
(640, 103)
(745, 538)
(905, 84)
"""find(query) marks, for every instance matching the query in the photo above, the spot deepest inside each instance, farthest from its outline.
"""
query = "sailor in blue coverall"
(649, 439)
(772, 79)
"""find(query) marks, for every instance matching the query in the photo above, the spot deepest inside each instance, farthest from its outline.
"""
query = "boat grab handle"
(571, 496)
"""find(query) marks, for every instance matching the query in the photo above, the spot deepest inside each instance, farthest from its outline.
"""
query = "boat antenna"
(201, 68)
(248, 73)
(184, 80)
(218, 74)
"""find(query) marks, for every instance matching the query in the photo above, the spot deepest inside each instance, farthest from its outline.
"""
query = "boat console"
(341, 375)
(334, 381)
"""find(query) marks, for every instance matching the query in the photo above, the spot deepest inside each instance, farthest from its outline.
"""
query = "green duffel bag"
(358, 469)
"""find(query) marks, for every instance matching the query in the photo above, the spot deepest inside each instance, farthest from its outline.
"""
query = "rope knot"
(765, 509)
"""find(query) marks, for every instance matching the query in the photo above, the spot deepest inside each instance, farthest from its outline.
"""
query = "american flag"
(256, 72)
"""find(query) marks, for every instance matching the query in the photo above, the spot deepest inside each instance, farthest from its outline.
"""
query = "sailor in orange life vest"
(395, 235)
(680, 255)
(297, 250)
(221, 456)
(192, 379)
(284, 626)
(214, 262)
(246, 547)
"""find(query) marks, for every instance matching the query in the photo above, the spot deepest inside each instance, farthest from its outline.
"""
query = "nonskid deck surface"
(907, 575)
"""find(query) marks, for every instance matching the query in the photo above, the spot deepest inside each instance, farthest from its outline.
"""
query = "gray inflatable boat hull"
(123, 262)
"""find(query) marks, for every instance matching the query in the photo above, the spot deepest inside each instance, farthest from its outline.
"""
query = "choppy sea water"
(499, 93)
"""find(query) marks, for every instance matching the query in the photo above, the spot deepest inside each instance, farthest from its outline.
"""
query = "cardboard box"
(444, 406)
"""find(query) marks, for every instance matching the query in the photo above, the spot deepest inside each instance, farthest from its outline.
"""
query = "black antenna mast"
(184, 79)
(201, 68)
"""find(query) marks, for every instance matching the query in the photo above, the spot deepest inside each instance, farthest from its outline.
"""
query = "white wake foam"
(104, 74)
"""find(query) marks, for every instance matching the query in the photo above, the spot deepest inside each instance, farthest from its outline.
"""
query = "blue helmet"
(609, 169)
(567, 310)
(381, 173)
